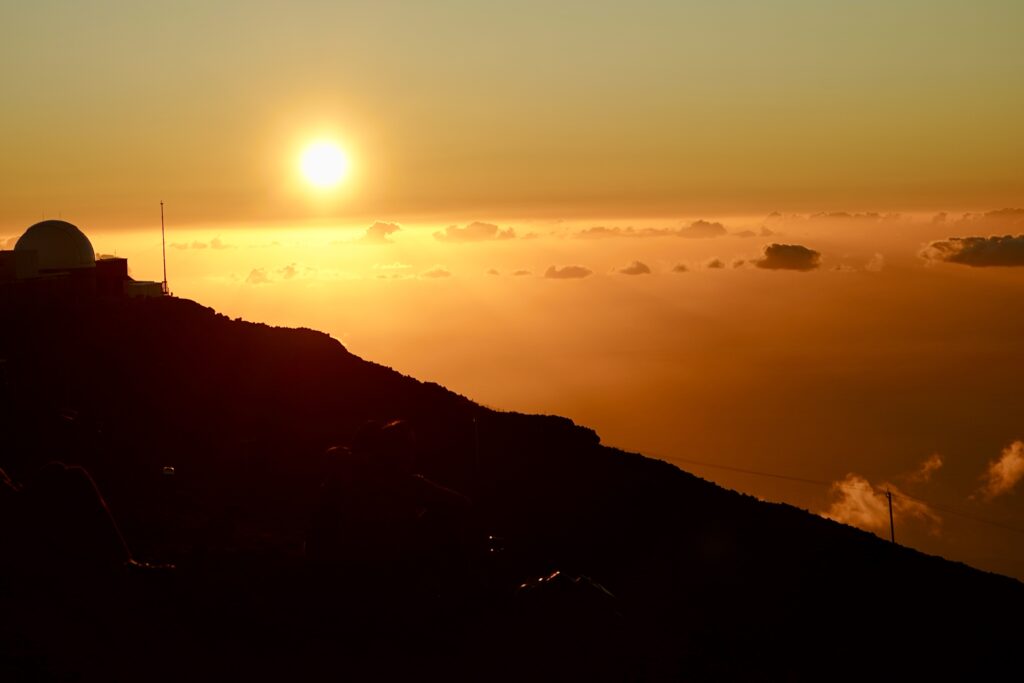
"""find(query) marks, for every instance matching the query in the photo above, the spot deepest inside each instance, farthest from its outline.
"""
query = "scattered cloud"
(859, 503)
(923, 474)
(745, 233)
(1000, 219)
(520, 273)
(492, 271)
(715, 264)
(875, 264)
(843, 268)
(1003, 473)
(436, 272)
(789, 257)
(567, 272)
(703, 229)
(767, 232)
(636, 268)
(199, 245)
(474, 232)
(739, 263)
(978, 252)
(379, 233)
(696, 229)
(216, 243)
(396, 265)
(288, 272)
(680, 268)
(257, 276)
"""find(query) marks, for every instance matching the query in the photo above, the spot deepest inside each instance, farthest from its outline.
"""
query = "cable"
(854, 487)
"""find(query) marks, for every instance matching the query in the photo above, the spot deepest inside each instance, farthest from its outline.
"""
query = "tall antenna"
(163, 246)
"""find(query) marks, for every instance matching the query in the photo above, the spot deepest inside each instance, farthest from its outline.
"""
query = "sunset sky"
(713, 231)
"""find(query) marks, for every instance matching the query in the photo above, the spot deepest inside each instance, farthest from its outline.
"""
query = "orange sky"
(675, 128)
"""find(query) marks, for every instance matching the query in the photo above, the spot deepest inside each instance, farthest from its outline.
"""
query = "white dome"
(58, 245)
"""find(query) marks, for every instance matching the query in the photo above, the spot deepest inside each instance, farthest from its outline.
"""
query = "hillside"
(708, 584)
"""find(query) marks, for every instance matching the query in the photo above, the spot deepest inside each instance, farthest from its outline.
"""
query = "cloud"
(567, 272)
(474, 232)
(703, 229)
(978, 252)
(1004, 472)
(767, 232)
(379, 232)
(8, 243)
(436, 272)
(636, 268)
(745, 233)
(680, 268)
(924, 472)
(520, 273)
(288, 272)
(715, 264)
(875, 264)
(859, 503)
(696, 229)
(789, 257)
(215, 243)
(1000, 219)
(492, 271)
(739, 263)
(257, 276)
(396, 265)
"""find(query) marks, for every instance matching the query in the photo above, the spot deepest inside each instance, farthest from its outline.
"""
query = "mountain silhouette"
(207, 437)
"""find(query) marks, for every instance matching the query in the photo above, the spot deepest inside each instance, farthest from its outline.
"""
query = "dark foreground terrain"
(663, 576)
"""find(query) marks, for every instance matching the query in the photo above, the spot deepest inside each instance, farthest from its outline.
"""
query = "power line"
(854, 487)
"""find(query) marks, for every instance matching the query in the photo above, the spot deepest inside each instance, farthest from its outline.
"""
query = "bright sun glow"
(324, 164)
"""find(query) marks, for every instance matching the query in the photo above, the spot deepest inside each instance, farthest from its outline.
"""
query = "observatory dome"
(59, 246)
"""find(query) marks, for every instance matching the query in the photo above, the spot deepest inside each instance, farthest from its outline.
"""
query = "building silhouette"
(53, 259)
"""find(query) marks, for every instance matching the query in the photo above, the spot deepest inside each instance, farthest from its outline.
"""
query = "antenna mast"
(163, 246)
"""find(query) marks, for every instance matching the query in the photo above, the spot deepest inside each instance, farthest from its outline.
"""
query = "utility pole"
(163, 246)
(892, 526)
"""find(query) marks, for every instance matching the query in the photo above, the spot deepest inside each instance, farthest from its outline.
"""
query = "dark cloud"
(789, 257)
(474, 232)
(257, 276)
(520, 273)
(636, 268)
(492, 271)
(745, 233)
(567, 272)
(436, 272)
(979, 252)
(738, 263)
(378, 233)
(680, 268)
(715, 264)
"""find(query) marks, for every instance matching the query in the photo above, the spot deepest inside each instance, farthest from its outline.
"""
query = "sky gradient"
(777, 237)
(459, 109)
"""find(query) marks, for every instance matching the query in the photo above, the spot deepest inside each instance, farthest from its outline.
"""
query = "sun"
(324, 164)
